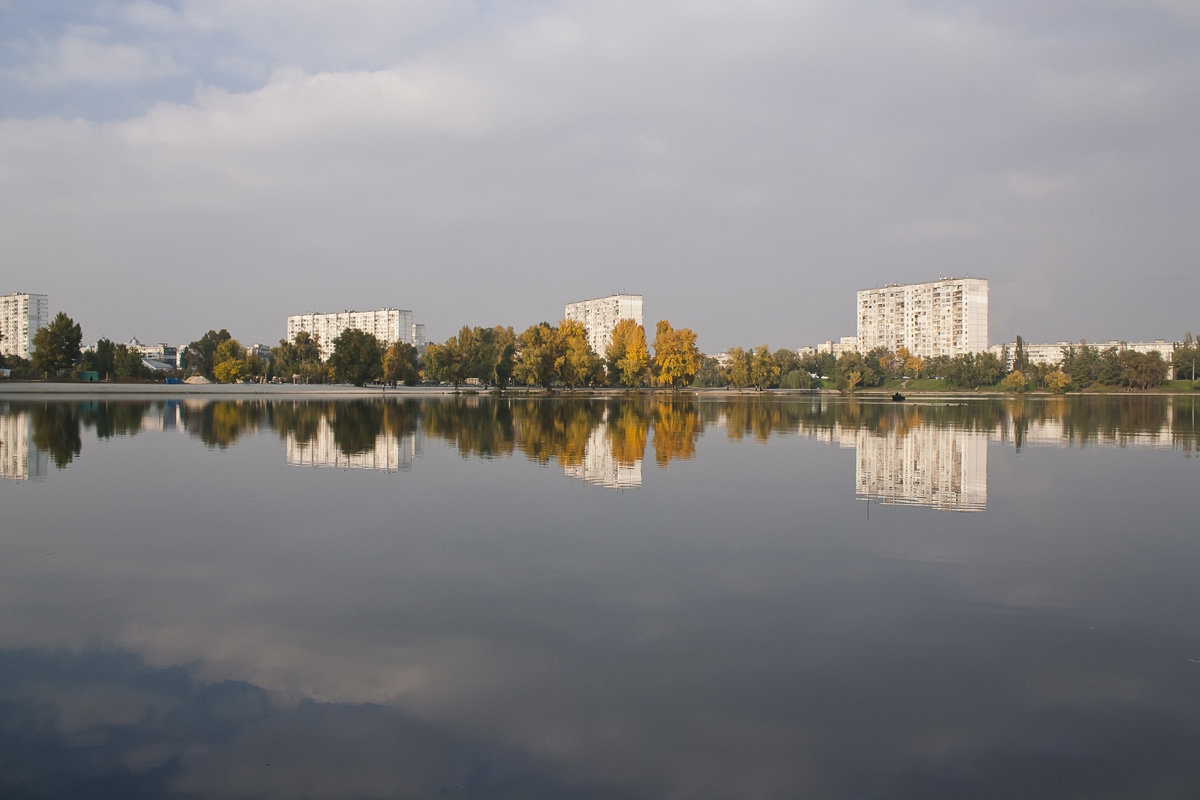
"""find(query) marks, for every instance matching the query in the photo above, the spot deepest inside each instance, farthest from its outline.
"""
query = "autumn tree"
(56, 346)
(764, 372)
(627, 354)
(738, 368)
(578, 364)
(229, 362)
(676, 359)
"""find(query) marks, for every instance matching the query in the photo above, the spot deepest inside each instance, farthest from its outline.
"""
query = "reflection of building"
(389, 453)
(948, 317)
(942, 468)
(20, 458)
(388, 325)
(21, 315)
(600, 315)
(600, 466)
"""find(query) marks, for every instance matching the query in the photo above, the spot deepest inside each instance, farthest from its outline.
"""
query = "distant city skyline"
(171, 167)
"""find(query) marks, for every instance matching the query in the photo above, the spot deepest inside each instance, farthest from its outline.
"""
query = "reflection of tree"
(677, 425)
(56, 431)
(300, 421)
(477, 427)
(221, 423)
(556, 429)
(356, 425)
(628, 424)
(114, 418)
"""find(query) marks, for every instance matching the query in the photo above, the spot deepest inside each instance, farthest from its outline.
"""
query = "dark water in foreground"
(756, 598)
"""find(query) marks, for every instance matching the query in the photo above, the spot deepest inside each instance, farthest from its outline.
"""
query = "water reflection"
(735, 627)
(932, 454)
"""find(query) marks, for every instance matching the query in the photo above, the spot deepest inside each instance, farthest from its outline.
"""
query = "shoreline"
(123, 391)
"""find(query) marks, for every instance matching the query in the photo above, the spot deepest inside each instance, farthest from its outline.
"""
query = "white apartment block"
(21, 315)
(1053, 353)
(388, 325)
(947, 317)
(601, 314)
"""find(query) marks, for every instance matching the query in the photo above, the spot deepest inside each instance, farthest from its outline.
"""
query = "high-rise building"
(388, 325)
(947, 317)
(601, 314)
(20, 317)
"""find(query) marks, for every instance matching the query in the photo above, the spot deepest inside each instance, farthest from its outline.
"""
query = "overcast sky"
(170, 167)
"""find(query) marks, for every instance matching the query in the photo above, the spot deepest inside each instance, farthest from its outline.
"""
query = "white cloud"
(85, 55)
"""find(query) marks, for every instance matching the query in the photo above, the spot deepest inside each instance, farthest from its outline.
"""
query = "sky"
(171, 167)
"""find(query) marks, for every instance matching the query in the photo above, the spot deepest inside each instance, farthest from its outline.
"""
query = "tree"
(1185, 357)
(676, 359)
(56, 346)
(578, 364)
(740, 363)
(1142, 370)
(1057, 381)
(301, 356)
(100, 359)
(1020, 357)
(849, 371)
(1015, 381)
(539, 347)
(357, 357)
(764, 372)
(400, 364)
(229, 362)
(128, 363)
(198, 358)
(627, 354)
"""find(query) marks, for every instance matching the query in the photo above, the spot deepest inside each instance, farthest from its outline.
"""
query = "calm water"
(759, 598)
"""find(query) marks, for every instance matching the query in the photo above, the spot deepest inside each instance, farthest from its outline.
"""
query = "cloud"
(86, 56)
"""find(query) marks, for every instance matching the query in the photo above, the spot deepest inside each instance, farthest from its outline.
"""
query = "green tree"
(198, 358)
(56, 346)
(127, 364)
(299, 357)
(539, 348)
(676, 359)
(710, 373)
(100, 359)
(1142, 370)
(400, 364)
(1185, 357)
(357, 357)
(627, 354)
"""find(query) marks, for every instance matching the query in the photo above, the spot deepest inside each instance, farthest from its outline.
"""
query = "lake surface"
(759, 597)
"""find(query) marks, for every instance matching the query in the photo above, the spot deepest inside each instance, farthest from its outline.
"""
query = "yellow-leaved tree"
(628, 357)
(676, 359)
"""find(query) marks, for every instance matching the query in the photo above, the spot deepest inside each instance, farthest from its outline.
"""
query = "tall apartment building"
(601, 314)
(21, 315)
(388, 325)
(947, 317)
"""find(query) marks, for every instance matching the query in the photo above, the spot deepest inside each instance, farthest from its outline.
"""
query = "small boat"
(897, 398)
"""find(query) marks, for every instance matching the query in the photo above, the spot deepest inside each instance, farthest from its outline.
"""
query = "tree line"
(559, 355)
